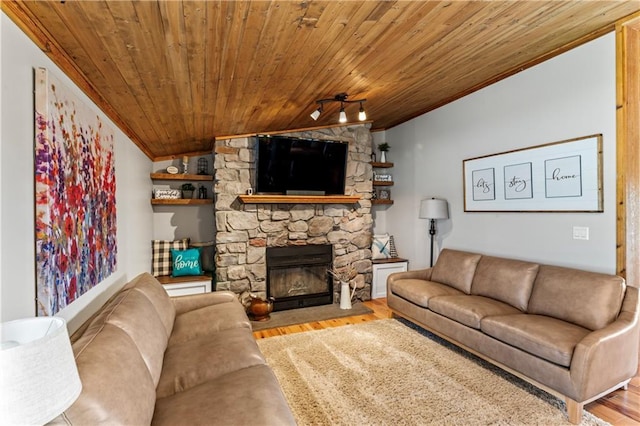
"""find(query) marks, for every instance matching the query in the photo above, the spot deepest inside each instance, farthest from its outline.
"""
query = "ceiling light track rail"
(343, 98)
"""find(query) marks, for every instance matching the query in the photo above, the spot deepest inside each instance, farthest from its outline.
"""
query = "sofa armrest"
(418, 274)
(608, 356)
(196, 301)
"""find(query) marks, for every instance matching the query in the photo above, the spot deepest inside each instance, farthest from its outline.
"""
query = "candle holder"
(185, 164)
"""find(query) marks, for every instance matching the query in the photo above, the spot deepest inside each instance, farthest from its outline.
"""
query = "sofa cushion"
(455, 268)
(549, 338)
(469, 310)
(148, 285)
(507, 280)
(207, 321)
(199, 360)
(116, 385)
(420, 291)
(245, 397)
(588, 299)
(137, 317)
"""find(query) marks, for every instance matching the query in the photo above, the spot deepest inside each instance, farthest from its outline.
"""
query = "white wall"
(19, 58)
(566, 97)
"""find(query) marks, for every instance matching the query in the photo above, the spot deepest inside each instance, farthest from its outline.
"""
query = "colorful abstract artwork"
(75, 204)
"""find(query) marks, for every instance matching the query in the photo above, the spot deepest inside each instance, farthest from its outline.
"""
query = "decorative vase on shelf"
(345, 295)
(383, 156)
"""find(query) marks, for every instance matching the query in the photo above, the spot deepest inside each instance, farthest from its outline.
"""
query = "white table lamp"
(38, 373)
(433, 208)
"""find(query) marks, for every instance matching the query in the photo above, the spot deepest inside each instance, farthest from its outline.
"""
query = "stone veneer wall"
(245, 230)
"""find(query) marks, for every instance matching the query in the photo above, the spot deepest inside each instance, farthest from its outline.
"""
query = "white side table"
(382, 268)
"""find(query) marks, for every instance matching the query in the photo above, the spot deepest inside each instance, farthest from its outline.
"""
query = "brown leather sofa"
(145, 358)
(572, 333)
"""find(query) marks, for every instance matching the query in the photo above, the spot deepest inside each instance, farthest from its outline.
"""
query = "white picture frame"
(564, 176)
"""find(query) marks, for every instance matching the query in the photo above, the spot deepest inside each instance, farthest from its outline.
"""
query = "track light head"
(343, 115)
(315, 114)
(362, 116)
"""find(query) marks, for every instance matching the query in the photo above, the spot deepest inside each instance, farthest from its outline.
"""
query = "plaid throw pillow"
(161, 259)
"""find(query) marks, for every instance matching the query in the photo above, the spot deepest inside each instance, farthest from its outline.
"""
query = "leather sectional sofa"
(145, 358)
(572, 333)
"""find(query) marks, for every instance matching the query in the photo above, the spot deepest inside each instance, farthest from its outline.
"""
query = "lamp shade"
(38, 374)
(434, 208)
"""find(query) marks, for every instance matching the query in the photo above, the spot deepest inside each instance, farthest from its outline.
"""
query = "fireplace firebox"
(297, 276)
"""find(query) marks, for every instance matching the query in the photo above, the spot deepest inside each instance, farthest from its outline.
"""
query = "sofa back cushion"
(588, 299)
(148, 285)
(455, 268)
(507, 280)
(116, 385)
(136, 316)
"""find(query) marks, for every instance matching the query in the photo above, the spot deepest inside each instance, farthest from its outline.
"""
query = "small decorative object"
(383, 148)
(384, 194)
(345, 276)
(345, 295)
(250, 191)
(386, 177)
(373, 157)
(203, 166)
(202, 192)
(259, 309)
(185, 164)
(172, 170)
(187, 190)
(166, 194)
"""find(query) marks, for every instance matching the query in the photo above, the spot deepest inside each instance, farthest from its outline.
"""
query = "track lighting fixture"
(342, 98)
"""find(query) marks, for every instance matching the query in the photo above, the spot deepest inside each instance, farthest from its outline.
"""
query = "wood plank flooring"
(620, 408)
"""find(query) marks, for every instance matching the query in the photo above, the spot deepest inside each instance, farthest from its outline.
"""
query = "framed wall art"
(75, 190)
(563, 176)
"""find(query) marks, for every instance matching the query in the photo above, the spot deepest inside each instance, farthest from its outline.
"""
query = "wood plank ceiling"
(176, 74)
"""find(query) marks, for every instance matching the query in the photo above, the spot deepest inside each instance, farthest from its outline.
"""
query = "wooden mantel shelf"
(299, 199)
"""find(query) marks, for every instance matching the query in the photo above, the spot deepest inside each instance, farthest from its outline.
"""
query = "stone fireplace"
(297, 276)
(245, 231)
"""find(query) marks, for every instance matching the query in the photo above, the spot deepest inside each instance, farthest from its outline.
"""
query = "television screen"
(287, 165)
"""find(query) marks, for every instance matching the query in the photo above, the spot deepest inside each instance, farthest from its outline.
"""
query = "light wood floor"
(618, 408)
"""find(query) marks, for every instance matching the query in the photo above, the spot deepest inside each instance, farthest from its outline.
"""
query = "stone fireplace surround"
(244, 231)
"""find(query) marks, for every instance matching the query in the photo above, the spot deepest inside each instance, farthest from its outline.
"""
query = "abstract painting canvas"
(75, 189)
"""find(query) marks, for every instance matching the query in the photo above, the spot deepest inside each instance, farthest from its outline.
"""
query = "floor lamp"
(433, 208)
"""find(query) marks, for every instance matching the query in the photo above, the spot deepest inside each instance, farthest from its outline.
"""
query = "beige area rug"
(310, 314)
(386, 373)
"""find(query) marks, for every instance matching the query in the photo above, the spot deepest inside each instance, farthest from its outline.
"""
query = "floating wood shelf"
(299, 199)
(181, 201)
(379, 165)
(179, 176)
(382, 183)
(378, 201)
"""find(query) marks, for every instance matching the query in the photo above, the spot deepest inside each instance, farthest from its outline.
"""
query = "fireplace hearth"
(297, 276)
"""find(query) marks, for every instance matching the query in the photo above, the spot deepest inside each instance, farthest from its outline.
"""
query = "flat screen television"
(295, 166)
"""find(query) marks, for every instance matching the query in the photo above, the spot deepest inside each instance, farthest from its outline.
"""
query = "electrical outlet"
(580, 232)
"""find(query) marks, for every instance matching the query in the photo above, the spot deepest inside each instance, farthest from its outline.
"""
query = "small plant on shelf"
(383, 148)
(187, 190)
